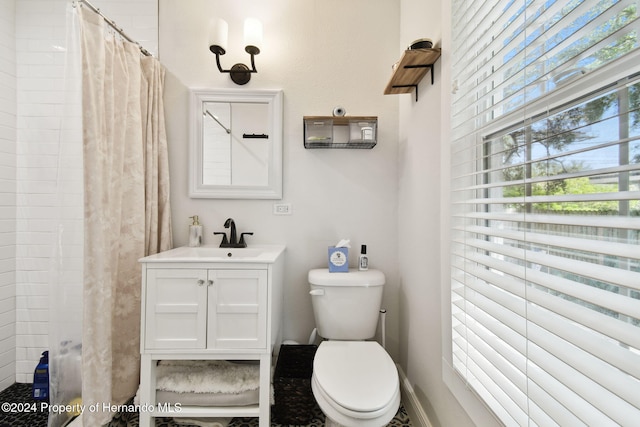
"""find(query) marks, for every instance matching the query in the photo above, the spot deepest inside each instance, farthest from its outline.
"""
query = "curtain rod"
(115, 27)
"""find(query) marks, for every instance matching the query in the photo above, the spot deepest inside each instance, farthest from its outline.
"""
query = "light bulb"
(219, 33)
(252, 32)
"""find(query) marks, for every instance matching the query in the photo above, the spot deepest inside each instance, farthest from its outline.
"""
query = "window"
(545, 190)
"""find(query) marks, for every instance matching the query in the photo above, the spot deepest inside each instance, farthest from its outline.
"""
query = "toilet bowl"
(355, 383)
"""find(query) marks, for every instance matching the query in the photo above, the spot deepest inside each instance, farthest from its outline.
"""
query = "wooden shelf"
(342, 120)
(412, 67)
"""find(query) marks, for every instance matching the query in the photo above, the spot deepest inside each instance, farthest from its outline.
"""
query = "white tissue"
(344, 243)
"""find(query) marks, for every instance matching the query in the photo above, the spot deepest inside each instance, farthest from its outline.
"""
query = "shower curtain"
(127, 215)
(126, 207)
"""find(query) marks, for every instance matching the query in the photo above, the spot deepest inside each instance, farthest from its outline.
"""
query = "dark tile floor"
(23, 411)
(401, 420)
(18, 409)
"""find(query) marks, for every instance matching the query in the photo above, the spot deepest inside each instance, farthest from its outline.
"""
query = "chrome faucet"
(232, 241)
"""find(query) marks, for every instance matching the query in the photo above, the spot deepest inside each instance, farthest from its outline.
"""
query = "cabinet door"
(237, 309)
(176, 310)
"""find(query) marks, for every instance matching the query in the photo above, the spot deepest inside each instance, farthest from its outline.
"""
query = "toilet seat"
(358, 379)
(341, 413)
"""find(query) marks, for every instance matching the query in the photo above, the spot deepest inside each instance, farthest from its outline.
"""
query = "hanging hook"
(217, 121)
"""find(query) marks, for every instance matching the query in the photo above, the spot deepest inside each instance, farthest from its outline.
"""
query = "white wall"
(423, 247)
(39, 27)
(40, 39)
(321, 53)
(7, 194)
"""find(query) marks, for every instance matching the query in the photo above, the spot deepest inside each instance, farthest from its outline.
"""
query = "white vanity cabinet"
(202, 305)
(206, 308)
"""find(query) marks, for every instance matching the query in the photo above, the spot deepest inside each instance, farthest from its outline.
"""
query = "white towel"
(203, 422)
(206, 376)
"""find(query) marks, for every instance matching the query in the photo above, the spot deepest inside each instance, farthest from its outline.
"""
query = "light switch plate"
(282, 209)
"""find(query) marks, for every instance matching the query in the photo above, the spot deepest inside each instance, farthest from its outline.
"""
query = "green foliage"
(577, 186)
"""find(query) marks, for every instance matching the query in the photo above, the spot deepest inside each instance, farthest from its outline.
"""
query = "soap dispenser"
(195, 232)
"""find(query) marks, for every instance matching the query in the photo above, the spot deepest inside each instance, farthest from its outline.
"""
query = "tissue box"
(338, 260)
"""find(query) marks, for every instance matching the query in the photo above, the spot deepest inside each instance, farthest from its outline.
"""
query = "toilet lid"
(357, 375)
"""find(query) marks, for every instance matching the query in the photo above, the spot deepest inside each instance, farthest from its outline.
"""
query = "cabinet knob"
(200, 282)
(210, 282)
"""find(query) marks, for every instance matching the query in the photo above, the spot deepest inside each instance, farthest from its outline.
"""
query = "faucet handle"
(242, 242)
(224, 237)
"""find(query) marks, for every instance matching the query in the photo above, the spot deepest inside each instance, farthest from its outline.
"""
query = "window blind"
(545, 209)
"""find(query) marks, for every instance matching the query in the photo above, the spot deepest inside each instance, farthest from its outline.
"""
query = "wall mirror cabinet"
(236, 144)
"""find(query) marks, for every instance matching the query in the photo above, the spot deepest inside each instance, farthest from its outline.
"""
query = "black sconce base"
(240, 74)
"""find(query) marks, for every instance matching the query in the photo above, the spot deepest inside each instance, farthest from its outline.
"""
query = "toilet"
(354, 381)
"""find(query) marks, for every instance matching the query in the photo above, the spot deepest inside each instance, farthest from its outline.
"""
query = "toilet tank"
(346, 306)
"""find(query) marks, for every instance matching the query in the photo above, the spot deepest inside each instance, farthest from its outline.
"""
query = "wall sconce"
(240, 73)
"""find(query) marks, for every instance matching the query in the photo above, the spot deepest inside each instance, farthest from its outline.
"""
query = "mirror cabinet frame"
(273, 100)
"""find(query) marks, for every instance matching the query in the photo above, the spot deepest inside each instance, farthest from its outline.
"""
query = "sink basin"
(254, 253)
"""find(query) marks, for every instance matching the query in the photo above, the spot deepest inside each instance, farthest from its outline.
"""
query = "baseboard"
(411, 403)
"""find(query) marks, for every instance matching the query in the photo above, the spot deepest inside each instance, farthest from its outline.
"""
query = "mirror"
(236, 144)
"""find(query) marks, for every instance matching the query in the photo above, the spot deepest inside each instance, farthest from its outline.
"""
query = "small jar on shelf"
(362, 131)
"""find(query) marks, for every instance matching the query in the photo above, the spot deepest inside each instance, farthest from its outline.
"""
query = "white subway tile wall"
(40, 28)
(7, 194)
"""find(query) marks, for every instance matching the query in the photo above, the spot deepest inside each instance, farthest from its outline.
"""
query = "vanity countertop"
(210, 253)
